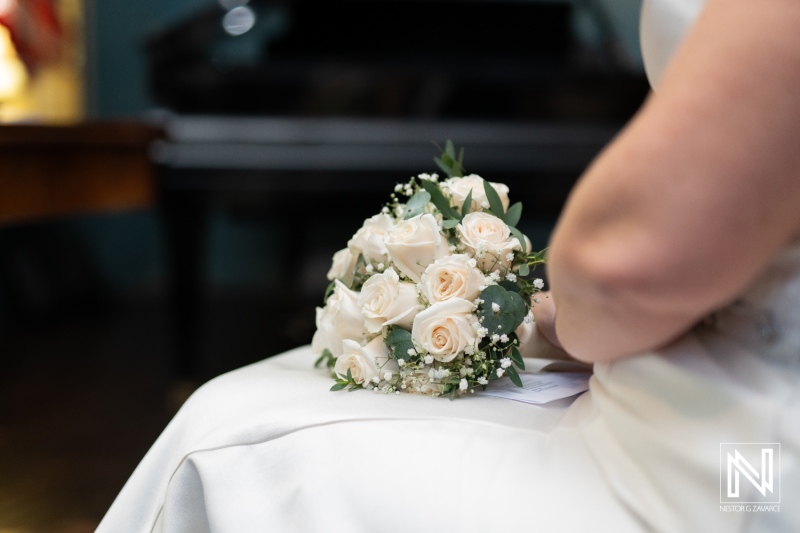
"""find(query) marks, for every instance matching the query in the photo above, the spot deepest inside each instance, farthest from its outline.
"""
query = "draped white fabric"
(269, 448)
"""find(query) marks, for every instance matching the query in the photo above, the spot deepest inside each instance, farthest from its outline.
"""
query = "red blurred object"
(35, 30)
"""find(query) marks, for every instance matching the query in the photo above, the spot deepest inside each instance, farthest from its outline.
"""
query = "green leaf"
(326, 356)
(453, 393)
(510, 286)
(439, 200)
(329, 291)
(495, 204)
(520, 237)
(349, 376)
(398, 340)
(524, 270)
(512, 310)
(538, 257)
(516, 357)
(338, 386)
(513, 214)
(512, 373)
(443, 167)
(467, 205)
(416, 204)
(450, 223)
(449, 148)
(448, 163)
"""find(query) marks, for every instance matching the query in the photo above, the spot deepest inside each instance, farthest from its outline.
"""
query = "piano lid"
(422, 59)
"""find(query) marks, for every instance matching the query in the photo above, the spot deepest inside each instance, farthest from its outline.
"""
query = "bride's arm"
(695, 196)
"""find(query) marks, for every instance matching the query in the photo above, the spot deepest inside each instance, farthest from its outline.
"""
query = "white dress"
(269, 448)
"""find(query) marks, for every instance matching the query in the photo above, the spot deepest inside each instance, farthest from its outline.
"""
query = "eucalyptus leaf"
(495, 204)
(510, 286)
(439, 200)
(520, 237)
(443, 167)
(516, 357)
(467, 204)
(449, 148)
(538, 257)
(450, 223)
(513, 214)
(416, 204)
(524, 270)
(511, 310)
(399, 342)
(512, 373)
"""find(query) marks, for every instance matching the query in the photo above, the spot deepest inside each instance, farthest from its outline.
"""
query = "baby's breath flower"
(503, 338)
(495, 337)
(505, 362)
(369, 268)
(500, 372)
(401, 362)
(428, 359)
(388, 375)
(510, 256)
(472, 262)
(495, 307)
(463, 384)
(511, 277)
(411, 351)
(538, 283)
(483, 381)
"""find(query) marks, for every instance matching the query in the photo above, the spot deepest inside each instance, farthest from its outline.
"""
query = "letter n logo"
(750, 472)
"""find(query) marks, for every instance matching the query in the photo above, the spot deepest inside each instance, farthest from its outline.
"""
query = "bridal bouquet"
(428, 294)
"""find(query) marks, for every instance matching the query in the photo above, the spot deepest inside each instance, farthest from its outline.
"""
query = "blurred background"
(175, 176)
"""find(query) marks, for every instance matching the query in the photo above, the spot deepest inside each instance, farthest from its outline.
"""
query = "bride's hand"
(544, 313)
(538, 339)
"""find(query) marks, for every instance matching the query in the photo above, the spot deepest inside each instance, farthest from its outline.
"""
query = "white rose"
(369, 239)
(451, 277)
(344, 262)
(385, 300)
(414, 244)
(365, 362)
(325, 337)
(489, 239)
(445, 329)
(459, 190)
(341, 319)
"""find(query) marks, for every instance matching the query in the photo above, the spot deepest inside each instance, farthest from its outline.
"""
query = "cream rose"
(445, 329)
(414, 244)
(325, 337)
(385, 300)
(459, 189)
(344, 262)
(452, 277)
(489, 239)
(340, 319)
(369, 239)
(365, 362)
